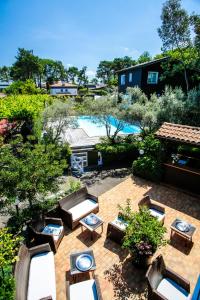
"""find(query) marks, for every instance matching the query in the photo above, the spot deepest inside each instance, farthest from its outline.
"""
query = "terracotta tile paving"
(118, 277)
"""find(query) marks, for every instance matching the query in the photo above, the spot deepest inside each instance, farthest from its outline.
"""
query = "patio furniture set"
(35, 270)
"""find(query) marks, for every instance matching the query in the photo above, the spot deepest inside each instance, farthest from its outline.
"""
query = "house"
(64, 88)
(4, 84)
(146, 76)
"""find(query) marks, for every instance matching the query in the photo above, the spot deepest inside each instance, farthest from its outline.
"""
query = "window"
(123, 79)
(130, 77)
(152, 78)
(61, 90)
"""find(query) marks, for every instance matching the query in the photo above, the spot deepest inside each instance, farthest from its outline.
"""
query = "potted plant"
(144, 235)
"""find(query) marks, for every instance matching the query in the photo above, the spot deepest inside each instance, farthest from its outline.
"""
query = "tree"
(174, 31)
(106, 70)
(28, 170)
(26, 66)
(82, 77)
(72, 74)
(5, 73)
(56, 118)
(144, 57)
(27, 87)
(51, 70)
(107, 111)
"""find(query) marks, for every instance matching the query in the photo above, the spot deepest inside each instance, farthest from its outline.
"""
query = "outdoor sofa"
(165, 284)
(156, 210)
(87, 290)
(35, 273)
(76, 206)
(48, 230)
(116, 230)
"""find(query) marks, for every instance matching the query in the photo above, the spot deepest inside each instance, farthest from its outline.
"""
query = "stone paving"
(119, 279)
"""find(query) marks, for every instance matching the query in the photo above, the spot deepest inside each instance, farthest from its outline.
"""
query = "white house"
(64, 88)
(4, 84)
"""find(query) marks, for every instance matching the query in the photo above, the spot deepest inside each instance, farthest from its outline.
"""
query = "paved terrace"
(119, 279)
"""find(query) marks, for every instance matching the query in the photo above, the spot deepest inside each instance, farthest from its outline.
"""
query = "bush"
(148, 168)
(149, 165)
(122, 150)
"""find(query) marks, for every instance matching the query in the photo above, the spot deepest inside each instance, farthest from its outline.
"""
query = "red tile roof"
(180, 133)
(62, 85)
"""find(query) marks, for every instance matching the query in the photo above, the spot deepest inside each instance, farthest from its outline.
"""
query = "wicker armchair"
(165, 284)
(116, 230)
(76, 206)
(87, 290)
(156, 210)
(37, 231)
(22, 271)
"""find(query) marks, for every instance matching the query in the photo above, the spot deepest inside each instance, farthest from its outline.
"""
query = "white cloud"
(90, 73)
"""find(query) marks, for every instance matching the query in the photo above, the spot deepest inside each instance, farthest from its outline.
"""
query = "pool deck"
(77, 137)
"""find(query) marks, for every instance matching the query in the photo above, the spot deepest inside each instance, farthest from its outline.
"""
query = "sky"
(82, 32)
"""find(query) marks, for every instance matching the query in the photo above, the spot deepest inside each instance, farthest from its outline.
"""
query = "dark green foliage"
(149, 165)
(148, 168)
(28, 170)
(122, 151)
(27, 87)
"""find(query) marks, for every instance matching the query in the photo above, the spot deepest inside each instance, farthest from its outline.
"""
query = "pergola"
(184, 170)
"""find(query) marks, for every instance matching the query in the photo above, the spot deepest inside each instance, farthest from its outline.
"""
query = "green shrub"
(149, 165)
(148, 168)
(120, 151)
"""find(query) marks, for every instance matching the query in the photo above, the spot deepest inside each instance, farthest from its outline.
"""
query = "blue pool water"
(94, 129)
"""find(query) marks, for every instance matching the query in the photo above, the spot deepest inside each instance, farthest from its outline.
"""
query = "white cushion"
(54, 229)
(85, 290)
(171, 290)
(42, 282)
(156, 213)
(118, 222)
(82, 208)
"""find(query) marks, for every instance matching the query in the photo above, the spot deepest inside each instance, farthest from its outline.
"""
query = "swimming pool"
(94, 129)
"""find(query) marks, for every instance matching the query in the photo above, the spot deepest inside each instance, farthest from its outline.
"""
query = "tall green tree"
(5, 73)
(174, 31)
(28, 170)
(144, 57)
(72, 74)
(26, 66)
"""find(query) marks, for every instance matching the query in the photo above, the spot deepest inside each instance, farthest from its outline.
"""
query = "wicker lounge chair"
(49, 230)
(156, 210)
(165, 284)
(76, 206)
(87, 290)
(116, 230)
(35, 273)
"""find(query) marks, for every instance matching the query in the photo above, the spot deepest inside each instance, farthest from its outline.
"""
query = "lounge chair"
(47, 230)
(155, 209)
(87, 290)
(35, 273)
(116, 230)
(165, 284)
(76, 206)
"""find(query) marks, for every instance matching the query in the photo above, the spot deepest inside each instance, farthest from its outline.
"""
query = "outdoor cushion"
(118, 222)
(83, 290)
(171, 290)
(42, 282)
(82, 208)
(54, 229)
(156, 213)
